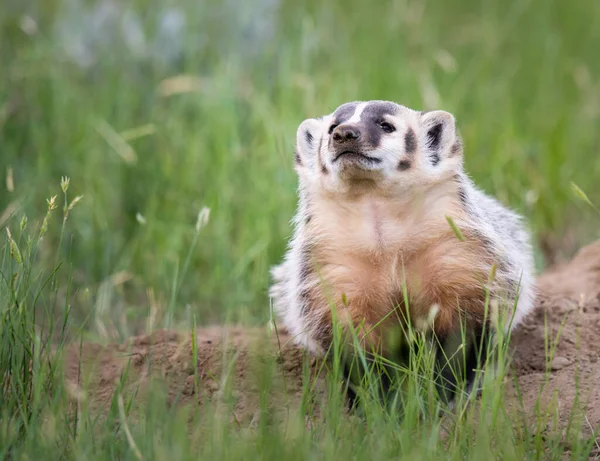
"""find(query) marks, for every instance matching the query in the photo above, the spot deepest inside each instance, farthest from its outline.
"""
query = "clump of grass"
(151, 141)
(33, 321)
(410, 421)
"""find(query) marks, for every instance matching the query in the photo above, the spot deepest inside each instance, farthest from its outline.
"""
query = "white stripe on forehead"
(357, 113)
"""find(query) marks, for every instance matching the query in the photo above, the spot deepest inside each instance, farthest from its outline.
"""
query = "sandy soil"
(569, 303)
(569, 310)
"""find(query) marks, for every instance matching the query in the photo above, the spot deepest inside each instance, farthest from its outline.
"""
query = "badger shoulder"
(504, 234)
(503, 226)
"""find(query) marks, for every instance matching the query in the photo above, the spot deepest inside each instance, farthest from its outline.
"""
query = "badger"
(390, 231)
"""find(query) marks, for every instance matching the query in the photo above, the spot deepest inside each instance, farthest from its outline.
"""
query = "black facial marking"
(377, 110)
(308, 219)
(387, 127)
(410, 142)
(372, 123)
(434, 136)
(309, 138)
(371, 120)
(297, 158)
(344, 112)
(404, 165)
(324, 169)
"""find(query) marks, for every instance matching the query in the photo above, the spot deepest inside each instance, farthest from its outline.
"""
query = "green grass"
(521, 78)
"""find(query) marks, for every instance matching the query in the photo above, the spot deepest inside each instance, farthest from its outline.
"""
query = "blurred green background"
(156, 109)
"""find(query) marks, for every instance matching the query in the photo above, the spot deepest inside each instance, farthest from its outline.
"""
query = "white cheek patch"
(393, 148)
(393, 143)
(357, 113)
(390, 145)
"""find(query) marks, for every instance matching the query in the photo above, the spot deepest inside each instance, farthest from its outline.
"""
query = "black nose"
(344, 133)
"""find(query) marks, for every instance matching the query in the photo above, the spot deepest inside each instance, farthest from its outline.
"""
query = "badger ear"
(309, 138)
(439, 136)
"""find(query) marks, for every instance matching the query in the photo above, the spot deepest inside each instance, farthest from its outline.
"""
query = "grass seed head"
(51, 203)
(203, 217)
(64, 183)
(75, 201)
(15, 253)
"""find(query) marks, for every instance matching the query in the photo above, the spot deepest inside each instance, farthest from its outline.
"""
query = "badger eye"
(387, 127)
(332, 127)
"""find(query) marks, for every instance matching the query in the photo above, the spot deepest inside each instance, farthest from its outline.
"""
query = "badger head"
(377, 144)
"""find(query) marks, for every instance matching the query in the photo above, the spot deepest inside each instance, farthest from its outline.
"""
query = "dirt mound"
(568, 307)
(565, 365)
(233, 364)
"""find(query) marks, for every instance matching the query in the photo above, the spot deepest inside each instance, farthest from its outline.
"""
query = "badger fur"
(387, 214)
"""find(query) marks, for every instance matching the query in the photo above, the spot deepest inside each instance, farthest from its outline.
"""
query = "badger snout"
(346, 134)
(350, 147)
(348, 142)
